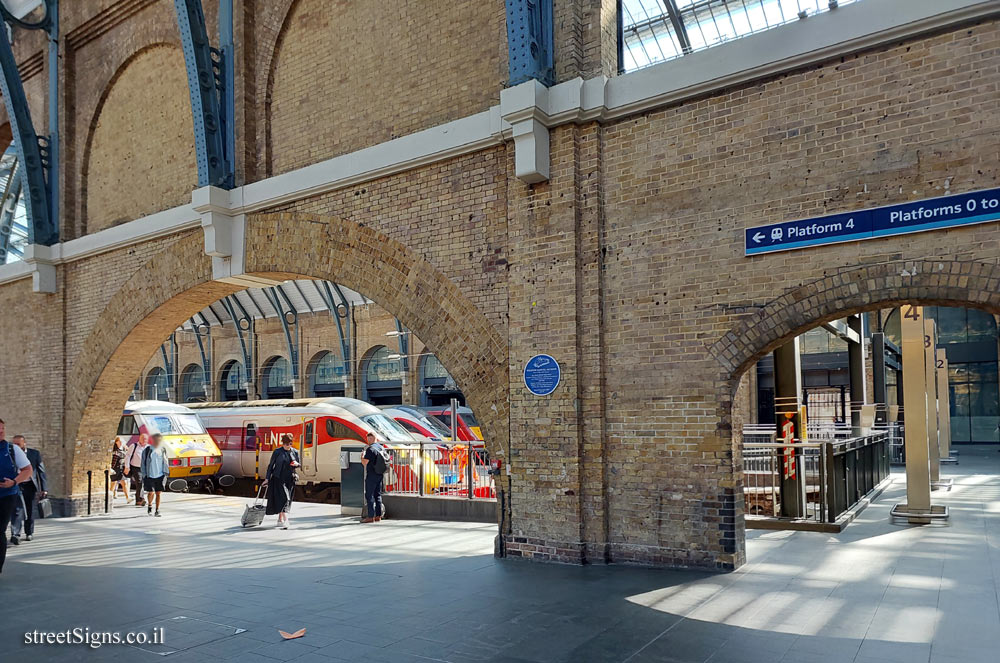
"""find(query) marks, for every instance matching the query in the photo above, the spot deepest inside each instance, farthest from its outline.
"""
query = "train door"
(252, 450)
(308, 449)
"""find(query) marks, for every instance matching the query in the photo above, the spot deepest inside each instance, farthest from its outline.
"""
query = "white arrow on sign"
(759, 236)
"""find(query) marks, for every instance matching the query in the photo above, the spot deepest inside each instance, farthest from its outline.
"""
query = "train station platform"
(430, 591)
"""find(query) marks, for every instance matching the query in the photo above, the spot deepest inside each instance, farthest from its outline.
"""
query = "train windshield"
(435, 426)
(388, 428)
(174, 424)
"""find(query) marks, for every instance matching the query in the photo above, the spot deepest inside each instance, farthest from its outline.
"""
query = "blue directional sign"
(931, 214)
(541, 375)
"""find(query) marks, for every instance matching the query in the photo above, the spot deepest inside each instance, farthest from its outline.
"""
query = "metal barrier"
(897, 451)
(440, 470)
(837, 473)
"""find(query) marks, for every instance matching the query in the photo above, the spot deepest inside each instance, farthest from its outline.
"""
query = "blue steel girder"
(275, 295)
(529, 41)
(208, 74)
(168, 363)
(402, 335)
(32, 150)
(206, 365)
(345, 331)
(245, 347)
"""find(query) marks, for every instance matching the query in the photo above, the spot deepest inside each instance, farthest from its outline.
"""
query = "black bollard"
(90, 477)
(107, 487)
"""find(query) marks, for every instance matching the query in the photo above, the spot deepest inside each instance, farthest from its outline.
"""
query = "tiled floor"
(422, 591)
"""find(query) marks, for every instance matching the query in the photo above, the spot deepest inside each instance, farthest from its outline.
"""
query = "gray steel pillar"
(856, 365)
(881, 392)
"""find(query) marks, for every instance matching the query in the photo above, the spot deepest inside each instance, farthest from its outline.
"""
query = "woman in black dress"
(280, 480)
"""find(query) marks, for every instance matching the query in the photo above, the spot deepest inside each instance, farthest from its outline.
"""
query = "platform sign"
(542, 375)
(932, 214)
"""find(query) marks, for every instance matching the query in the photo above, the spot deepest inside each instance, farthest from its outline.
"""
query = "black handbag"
(45, 508)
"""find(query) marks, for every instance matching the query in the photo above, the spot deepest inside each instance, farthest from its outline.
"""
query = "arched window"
(193, 384)
(437, 387)
(277, 378)
(156, 385)
(232, 382)
(326, 375)
(382, 377)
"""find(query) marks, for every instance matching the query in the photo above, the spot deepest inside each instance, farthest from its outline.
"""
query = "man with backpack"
(376, 463)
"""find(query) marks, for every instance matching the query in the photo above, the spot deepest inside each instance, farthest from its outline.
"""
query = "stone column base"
(521, 547)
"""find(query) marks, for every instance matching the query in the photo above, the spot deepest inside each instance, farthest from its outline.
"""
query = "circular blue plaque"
(541, 375)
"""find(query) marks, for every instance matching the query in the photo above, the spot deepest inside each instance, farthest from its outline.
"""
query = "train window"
(127, 426)
(339, 431)
(309, 434)
(250, 438)
(409, 427)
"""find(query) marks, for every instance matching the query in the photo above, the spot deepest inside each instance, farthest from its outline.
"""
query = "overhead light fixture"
(397, 333)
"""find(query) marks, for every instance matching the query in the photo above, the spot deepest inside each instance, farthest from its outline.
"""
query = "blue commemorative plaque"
(541, 375)
(931, 214)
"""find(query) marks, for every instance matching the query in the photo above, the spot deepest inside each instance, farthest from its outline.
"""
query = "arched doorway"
(381, 377)
(233, 382)
(326, 375)
(954, 284)
(276, 379)
(437, 387)
(192, 384)
(157, 385)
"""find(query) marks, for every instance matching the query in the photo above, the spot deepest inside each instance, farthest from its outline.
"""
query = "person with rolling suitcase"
(280, 480)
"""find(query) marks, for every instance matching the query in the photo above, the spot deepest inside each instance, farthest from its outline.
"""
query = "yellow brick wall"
(141, 152)
(349, 74)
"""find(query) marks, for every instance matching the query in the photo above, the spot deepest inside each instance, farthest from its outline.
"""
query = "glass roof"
(658, 30)
(13, 218)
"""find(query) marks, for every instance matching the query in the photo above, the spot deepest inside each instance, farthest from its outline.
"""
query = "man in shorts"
(154, 472)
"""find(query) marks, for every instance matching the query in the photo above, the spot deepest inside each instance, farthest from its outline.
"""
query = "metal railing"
(440, 470)
(832, 475)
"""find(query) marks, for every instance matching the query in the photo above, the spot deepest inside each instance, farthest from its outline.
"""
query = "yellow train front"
(193, 456)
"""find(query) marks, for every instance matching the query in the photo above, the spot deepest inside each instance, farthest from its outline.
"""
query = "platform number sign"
(929, 214)
(542, 375)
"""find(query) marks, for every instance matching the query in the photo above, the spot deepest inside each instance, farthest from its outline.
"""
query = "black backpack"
(381, 461)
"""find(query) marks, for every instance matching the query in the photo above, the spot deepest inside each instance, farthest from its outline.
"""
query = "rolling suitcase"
(253, 515)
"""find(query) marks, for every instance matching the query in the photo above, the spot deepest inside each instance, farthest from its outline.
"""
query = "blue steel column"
(275, 295)
(529, 41)
(53, 33)
(33, 157)
(207, 87)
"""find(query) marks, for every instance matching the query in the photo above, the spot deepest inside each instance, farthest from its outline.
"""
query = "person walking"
(133, 465)
(280, 480)
(31, 492)
(118, 469)
(15, 469)
(376, 462)
(154, 468)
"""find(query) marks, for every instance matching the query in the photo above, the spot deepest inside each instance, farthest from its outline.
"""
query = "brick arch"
(84, 220)
(926, 282)
(268, 45)
(176, 283)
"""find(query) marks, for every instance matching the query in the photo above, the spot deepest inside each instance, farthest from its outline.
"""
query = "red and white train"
(248, 431)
